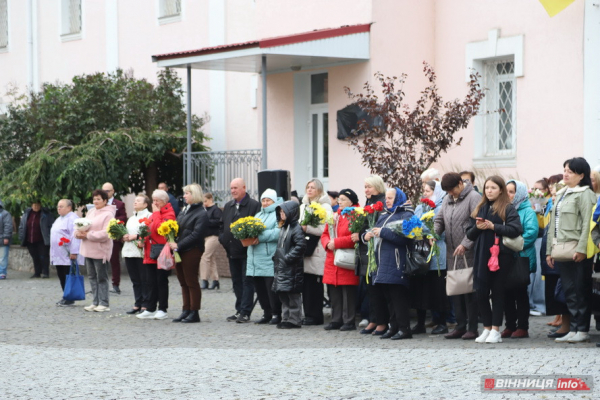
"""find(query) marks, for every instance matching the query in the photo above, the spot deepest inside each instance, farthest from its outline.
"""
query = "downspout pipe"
(263, 74)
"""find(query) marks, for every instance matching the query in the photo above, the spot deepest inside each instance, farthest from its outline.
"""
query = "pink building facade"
(542, 70)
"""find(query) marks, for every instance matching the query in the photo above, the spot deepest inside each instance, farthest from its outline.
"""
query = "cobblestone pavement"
(49, 352)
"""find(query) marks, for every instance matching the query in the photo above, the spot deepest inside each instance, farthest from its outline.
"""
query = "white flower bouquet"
(82, 224)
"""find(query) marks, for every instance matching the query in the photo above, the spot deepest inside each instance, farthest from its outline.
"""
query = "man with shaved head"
(121, 215)
(240, 206)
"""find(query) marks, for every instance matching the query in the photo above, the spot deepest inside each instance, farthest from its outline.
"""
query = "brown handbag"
(563, 251)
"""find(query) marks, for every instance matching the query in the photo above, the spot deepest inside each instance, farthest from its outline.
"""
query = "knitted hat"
(269, 194)
(350, 194)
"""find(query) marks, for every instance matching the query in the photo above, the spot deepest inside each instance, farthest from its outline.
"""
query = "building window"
(169, 11)
(319, 92)
(3, 25)
(71, 20)
(499, 124)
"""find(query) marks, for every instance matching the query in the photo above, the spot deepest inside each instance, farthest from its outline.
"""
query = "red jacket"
(164, 214)
(333, 275)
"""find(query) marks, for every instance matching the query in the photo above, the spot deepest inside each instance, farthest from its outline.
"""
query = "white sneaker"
(363, 323)
(101, 309)
(160, 314)
(494, 337)
(146, 315)
(580, 337)
(535, 313)
(484, 335)
(566, 338)
(91, 307)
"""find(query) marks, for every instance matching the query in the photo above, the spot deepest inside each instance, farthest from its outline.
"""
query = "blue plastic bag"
(74, 287)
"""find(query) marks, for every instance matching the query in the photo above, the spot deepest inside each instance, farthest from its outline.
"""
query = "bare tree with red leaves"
(407, 141)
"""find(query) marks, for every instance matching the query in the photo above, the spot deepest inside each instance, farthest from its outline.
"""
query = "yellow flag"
(553, 7)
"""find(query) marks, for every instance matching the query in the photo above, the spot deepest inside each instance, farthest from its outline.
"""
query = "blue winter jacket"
(391, 249)
(260, 256)
(530, 233)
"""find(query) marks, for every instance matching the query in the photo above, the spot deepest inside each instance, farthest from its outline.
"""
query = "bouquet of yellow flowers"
(169, 229)
(116, 229)
(247, 229)
(314, 215)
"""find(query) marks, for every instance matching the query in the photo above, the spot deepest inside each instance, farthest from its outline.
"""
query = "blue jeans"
(3, 259)
(536, 289)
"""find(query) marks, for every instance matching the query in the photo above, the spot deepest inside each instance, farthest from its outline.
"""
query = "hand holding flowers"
(169, 229)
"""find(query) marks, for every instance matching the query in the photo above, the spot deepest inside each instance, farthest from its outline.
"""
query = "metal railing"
(214, 171)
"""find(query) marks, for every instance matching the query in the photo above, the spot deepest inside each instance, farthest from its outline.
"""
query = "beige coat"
(315, 264)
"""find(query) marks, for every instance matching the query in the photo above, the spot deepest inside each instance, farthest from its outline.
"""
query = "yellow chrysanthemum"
(428, 215)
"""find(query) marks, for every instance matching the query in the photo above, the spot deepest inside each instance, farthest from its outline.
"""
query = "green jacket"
(575, 215)
(530, 233)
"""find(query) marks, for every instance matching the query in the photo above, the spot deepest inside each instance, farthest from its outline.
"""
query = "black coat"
(193, 225)
(248, 207)
(362, 261)
(484, 240)
(289, 255)
(214, 220)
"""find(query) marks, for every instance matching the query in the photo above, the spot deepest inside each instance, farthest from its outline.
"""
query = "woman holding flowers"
(391, 259)
(157, 286)
(429, 292)
(259, 266)
(378, 314)
(314, 211)
(453, 220)
(495, 218)
(96, 247)
(342, 282)
(133, 251)
(193, 227)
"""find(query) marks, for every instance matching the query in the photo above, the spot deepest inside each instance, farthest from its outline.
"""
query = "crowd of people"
(502, 255)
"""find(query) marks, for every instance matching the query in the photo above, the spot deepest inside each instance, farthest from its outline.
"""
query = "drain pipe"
(32, 46)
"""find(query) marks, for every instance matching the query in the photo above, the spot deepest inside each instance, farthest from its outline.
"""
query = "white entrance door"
(319, 143)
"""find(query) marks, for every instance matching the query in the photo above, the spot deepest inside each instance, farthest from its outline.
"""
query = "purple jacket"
(63, 227)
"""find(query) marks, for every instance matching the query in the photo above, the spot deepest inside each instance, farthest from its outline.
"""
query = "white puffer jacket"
(130, 249)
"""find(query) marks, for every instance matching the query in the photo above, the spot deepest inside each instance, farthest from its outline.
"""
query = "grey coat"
(6, 225)
(454, 218)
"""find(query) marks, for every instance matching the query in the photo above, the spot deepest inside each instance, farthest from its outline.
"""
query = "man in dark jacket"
(172, 200)
(6, 230)
(240, 206)
(34, 233)
(288, 263)
(121, 215)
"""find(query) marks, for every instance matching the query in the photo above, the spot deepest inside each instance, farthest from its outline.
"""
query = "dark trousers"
(362, 299)
(62, 271)
(269, 300)
(291, 307)
(492, 315)
(242, 286)
(187, 274)
(115, 262)
(378, 309)
(577, 285)
(465, 307)
(516, 308)
(40, 253)
(138, 275)
(397, 300)
(157, 288)
(343, 303)
(313, 294)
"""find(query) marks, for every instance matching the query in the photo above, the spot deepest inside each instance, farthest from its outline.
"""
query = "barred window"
(3, 24)
(169, 8)
(500, 133)
(71, 17)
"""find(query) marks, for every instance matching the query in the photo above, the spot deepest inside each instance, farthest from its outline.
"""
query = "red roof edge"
(206, 50)
(314, 35)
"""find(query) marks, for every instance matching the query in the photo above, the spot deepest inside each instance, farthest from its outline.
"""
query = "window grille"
(3, 24)
(170, 8)
(71, 17)
(500, 107)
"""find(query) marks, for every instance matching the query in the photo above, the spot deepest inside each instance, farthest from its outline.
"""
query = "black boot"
(204, 284)
(183, 315)
(214, 285)
(193, 316)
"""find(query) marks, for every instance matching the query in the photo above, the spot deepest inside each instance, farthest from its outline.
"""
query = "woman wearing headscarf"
(391, 259)
(570, 230)
(260, 267)
(516, 300)
(341, 282)
(429, 292)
